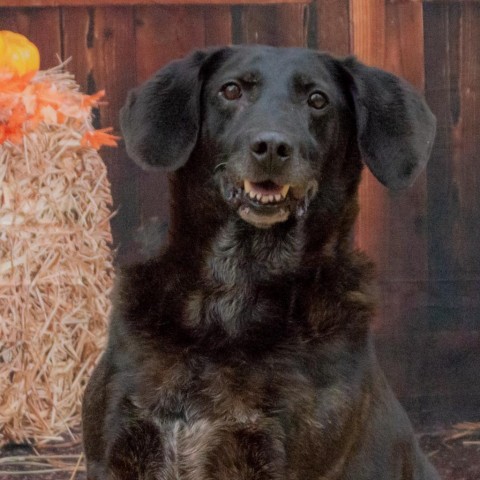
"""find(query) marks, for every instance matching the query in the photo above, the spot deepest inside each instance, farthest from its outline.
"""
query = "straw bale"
(55, 274)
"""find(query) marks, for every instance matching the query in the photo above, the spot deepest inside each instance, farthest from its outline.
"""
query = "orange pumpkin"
(17, 53)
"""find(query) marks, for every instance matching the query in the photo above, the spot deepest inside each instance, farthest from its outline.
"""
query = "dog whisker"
(220, 167)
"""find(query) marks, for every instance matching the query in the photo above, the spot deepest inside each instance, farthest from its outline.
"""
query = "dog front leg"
(137, 453)
(246, 452)
(199, 451)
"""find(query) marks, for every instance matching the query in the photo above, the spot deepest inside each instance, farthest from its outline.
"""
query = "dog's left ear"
(395, 127)
(160, 120)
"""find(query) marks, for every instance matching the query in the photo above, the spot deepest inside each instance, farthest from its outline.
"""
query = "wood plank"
(78, 43)
(99, 3)
(461, 300)
(33, 23)
(258, 25)
(113, 68)
(100, 43)
(99, 40)
(368, 44)
(368, 30)
(104, 3)
(404, 52)
(404, 56)
(292, 25)
(218, 25)
(441, 91)
(434, 365)
(452, 69)
(276, 25)
(165, 33)
(333, 26)
(392, 225)
(466, 145)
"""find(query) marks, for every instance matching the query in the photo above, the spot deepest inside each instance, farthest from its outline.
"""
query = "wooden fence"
(425, 241)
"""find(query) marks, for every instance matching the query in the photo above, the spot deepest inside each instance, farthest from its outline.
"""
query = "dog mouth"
(265, 193)
(268, 202)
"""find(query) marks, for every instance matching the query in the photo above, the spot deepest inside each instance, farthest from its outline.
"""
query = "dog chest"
(213, 411)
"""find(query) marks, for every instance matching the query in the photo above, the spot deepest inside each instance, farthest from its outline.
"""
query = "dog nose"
(271, 149)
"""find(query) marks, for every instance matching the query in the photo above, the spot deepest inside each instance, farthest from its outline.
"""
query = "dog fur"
(243, 350)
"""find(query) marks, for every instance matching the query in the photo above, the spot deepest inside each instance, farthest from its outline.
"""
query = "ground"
(455, 453)
(455, 459)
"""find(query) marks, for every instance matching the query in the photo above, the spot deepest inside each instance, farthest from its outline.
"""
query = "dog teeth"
(284, 191)
(264, 198)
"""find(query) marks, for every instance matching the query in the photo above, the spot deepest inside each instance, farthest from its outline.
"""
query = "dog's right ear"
(161, 119)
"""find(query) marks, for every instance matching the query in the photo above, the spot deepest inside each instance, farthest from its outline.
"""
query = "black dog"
(243, 351)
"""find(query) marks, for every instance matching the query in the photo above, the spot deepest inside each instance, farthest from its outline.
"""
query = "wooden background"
(425, 241)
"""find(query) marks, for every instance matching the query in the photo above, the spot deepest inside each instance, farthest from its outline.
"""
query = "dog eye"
(317, 100)
(231, 91)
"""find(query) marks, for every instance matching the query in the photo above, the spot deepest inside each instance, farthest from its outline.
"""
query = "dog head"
(278, 127)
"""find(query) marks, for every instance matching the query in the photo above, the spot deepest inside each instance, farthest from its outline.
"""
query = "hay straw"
(55, 274)
(467, 431)
(41, 464)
